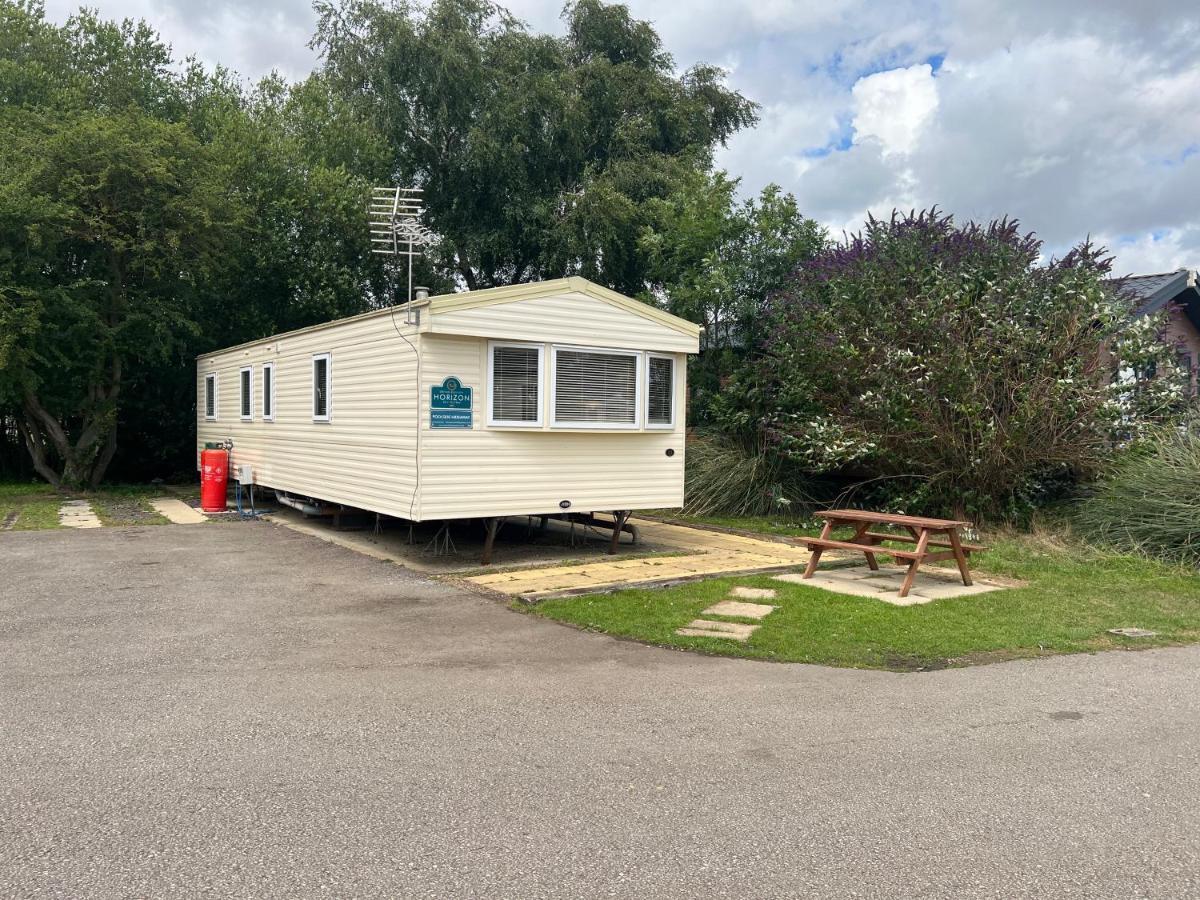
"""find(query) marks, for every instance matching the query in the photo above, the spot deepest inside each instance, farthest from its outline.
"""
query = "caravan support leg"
(492, 525)
(620, 517)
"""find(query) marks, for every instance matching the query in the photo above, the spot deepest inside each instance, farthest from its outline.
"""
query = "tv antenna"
(396, 230)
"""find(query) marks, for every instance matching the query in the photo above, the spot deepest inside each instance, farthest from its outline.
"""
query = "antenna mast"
(394, 214)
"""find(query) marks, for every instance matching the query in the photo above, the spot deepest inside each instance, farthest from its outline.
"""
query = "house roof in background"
(1153, 293)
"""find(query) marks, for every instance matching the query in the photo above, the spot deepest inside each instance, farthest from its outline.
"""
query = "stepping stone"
(176, 511)
(78, 514)
(749, 593)
(1133, 632)
(734, 631)
(745, 610)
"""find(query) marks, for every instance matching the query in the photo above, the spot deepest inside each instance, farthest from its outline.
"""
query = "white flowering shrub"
(949, 369)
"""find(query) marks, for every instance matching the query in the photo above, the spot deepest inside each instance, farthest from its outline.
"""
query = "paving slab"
(176, 511)
(734, 631)
(78, 514)
(707, 553)
(752, 593)
(861, 581)
(736, 608)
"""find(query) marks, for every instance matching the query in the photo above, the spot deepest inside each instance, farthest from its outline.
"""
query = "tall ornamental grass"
(1150, 502)
(733, 476)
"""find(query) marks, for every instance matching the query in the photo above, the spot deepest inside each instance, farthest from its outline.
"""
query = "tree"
(538, 155)
(716, 261)
(948, 367)
(148, 214)
(109, 223)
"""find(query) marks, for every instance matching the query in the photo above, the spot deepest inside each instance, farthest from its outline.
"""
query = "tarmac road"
(240, 710)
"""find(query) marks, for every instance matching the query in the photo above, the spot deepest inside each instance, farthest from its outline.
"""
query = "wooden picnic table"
(922, 531)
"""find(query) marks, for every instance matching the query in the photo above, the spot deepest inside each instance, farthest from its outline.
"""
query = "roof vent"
(420, 293)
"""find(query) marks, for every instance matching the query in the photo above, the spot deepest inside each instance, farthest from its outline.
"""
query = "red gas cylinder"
(214, 473)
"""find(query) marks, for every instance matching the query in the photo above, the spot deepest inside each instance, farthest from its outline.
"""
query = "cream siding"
(568, 318)
(366, 455)
(371, 451)
(497, 471)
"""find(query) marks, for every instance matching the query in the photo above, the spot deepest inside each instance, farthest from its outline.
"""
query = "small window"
(515, 385)
(660, 391)
(596, 388)
(247, 389)
(210, 397)
(268, 392)
(322, 382)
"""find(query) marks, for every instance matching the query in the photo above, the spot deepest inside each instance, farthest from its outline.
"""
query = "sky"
(1080, 118)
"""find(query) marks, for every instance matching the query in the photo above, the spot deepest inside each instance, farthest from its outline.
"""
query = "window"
(211, 402)
(596, 388)
(1184, 360)
(660, 391)
(322, 383)
(268, 392)
(247, 385)
(515, 385)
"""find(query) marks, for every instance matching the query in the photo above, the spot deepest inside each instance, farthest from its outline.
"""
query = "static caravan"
(529, 400)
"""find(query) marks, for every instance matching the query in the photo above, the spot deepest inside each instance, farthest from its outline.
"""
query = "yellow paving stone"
(712, 553)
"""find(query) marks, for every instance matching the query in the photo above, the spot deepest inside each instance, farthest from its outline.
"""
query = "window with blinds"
(268, 391)
(515, 384)
(246, 389)
(321, 387)
(593, 387)
(660, 391)
(210, 396)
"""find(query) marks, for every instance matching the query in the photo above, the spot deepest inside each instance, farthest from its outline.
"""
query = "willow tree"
(538, 154)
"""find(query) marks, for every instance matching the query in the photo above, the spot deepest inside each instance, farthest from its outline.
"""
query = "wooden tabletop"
(862, 515)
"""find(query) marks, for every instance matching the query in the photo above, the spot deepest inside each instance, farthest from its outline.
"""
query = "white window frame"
(268, 367)
(661, 426)
(312, 368)
(216, 391)
(246, 377)
(638, 391)
(493, 422)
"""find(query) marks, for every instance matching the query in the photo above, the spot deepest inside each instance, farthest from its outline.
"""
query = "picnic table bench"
(924, 532)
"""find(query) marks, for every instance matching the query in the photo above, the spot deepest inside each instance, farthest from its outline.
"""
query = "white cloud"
(893, 107)
(1078, 116)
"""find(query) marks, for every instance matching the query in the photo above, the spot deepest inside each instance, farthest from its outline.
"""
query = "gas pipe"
(214, 473)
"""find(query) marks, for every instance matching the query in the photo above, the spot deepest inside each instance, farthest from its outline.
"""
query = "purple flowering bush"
(950, 371)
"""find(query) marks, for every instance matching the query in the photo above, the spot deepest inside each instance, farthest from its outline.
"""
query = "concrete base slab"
(734, 631)
(744, 610)
(78, 514)
(750, 593)
(176, 511)
(861, 581)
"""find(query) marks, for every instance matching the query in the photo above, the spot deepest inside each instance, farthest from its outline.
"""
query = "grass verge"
(1071, 597)
(26, 506)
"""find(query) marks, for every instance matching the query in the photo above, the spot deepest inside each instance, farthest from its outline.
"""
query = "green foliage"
(950, 369)
(729, 475)
(149, 214)
(1148, 503)
(716, 262)
(538, 155)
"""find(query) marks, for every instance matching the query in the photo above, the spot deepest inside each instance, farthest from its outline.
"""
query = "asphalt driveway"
(242, 710)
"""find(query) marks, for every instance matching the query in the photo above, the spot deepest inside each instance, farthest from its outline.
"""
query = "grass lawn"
(1072, 596)
(26, 506)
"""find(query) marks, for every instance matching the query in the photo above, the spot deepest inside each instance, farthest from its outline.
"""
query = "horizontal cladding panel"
(364, 457)
(490, 471)
(566, 319)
